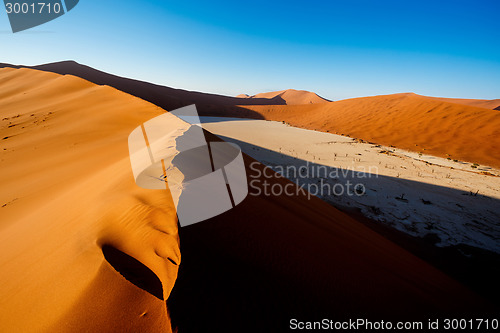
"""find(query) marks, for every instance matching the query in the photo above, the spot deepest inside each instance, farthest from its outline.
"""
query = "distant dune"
(406, 121)
(80, 242)
(461, 129)
(290, 96)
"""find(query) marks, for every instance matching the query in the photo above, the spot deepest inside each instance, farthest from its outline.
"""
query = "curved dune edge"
(406, 121)
(67, 189)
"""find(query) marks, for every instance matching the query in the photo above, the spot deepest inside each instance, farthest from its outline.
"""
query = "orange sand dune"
(290, 96)
(67, 190)
(455, 128)
(80, 243)
(406, 121)
(493, 104)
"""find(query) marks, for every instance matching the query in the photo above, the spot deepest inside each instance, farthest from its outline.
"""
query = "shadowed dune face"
(273, 258)
(67, 196)
(406, 121)
(133, 270)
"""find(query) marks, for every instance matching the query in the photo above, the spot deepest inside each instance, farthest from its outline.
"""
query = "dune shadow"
(134, 271)
(274, 258)
(480, 213)
(477, 215)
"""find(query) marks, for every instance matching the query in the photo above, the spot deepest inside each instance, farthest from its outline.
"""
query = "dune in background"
(493, 104)
(68, 198)
(83, 248)
(290, 96)
(406, 121)
(462, 129)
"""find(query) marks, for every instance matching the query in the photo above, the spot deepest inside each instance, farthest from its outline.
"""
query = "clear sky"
(339, 49)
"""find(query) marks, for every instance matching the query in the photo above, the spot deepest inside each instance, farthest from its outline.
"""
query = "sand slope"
(493, 104)
(67, 190)
(290, 96)
(407, 121)
(72, 215)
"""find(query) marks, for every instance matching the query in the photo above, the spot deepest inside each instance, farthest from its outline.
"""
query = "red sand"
(493, 104)
(405, 121)
(289, 96)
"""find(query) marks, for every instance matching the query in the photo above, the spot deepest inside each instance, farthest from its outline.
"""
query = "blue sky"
(339, 49)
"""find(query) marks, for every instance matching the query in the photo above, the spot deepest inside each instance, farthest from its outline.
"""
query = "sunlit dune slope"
(493, 104)
(290, 96)
(66, 191)
(406, 121)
